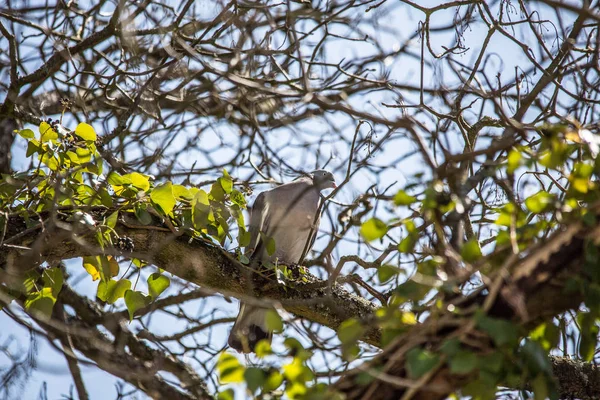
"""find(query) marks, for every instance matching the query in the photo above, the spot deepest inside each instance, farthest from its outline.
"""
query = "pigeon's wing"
(313, 236)
(258, 222)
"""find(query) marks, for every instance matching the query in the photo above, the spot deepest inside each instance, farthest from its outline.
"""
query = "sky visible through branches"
(371, 64)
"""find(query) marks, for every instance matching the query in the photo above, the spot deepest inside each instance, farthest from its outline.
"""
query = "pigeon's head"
(323, 179)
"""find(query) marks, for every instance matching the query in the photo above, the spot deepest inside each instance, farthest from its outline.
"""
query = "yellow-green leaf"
(471, 251)
(229, 369)
(403, 199)
(53, 279)
(91, 266)
(274, 322)
(26, 134)
(163, 196)
(111, 221)
(181, 192)
(86, 132)
(513, 161)
(157, 284)
(350, 331)
(373, 229)
(138, 180)
(47, 133)
(539, 202)
(134, 301)
(41, 303)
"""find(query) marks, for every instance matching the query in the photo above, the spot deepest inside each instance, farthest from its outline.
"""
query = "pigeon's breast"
(290, 226)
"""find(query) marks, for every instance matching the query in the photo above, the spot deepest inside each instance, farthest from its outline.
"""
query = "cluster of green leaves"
(567, 173)
(66, 175)
(294, 378)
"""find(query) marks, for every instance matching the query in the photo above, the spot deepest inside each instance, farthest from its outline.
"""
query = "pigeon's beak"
(333, 184)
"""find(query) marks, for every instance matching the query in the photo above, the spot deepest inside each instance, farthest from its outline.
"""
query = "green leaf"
(41, 303)
(513, 161)
(138, 180)
(387, 272)
(238, 198)
(540, 387)
(403, 199)
(274, 321)
(463, 362)
(254, 377)
(350, 331)
(157, 284)
(47, 133)
(273, 381)
(226, 183)
(53, 279)
(539, 202)
(228, 394)
(373, 229)
(546, 334)
(407, 244)
(589, 335)
(134, 301)
(229, 369)
(92, 267)
(26, 134)
(536, 358)
(419, 362)
(163, 196)
(111, 221)
(143, 216)
(113, 290)
(86, 132)
(269, 244)
(503, 332)
(181, 192)
(244, 238)
(33, 147)
(471, 251)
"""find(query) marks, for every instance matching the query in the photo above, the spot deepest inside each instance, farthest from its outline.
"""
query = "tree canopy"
(458, 257)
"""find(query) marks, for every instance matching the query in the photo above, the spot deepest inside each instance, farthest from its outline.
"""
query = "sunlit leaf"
(47, 133)
(41, 303)
(112, 290)
(157, 284)
(403, 199)
(471, 251)
(53, 279)
(539, 202)
(373, 229)
(274, 321)
(92, 267)
(26, 133)
(135, 300)
(513, 161)
(162, 195)
(111, 221)
(229, 369)
(86, 132)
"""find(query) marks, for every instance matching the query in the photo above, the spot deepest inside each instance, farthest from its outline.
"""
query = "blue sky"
(394, 28)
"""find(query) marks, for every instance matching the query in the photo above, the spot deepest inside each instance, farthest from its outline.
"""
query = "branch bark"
(532, 292)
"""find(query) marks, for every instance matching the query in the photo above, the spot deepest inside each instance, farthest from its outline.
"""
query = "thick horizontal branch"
(532, 292)
(528, 291)
(195, 261)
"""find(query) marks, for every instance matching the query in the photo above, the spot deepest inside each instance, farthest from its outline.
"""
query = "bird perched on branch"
(287, 215)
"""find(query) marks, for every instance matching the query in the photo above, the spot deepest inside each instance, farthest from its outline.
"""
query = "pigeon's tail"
(249, 328)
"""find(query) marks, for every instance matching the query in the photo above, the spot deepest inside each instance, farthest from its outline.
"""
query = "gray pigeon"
(286, 214)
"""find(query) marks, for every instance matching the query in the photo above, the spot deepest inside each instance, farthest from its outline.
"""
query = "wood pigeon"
(285, 214)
